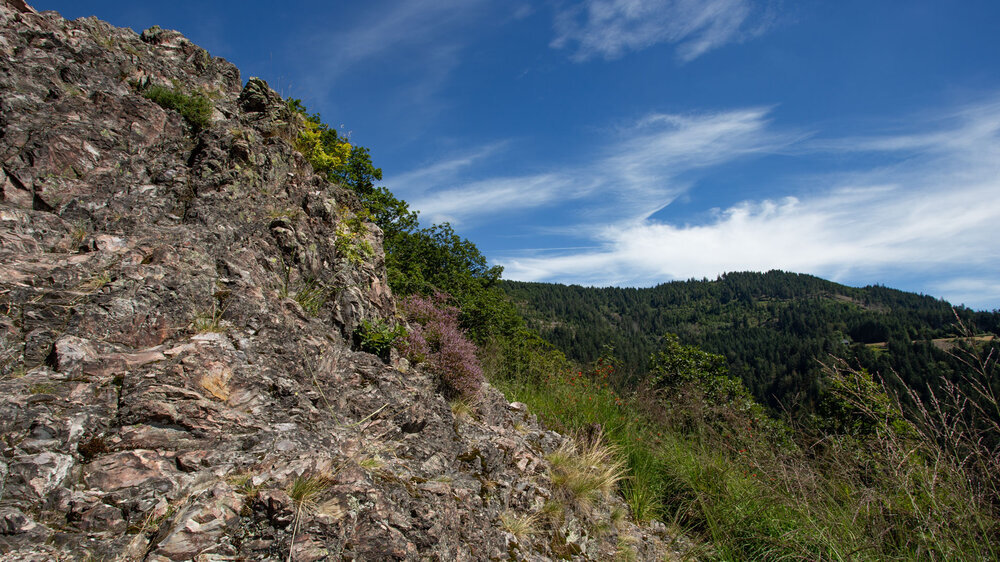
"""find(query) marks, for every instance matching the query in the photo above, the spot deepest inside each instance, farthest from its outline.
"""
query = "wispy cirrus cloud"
(425, 33)
(932, 212)
(610, 28)
(415, 183)
(493, 196)
(634, 175)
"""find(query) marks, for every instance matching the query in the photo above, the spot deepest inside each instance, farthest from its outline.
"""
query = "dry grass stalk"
(586, 472)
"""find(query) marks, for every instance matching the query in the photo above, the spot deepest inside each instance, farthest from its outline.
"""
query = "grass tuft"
(304, 489)
(521, 525)
(587, 472)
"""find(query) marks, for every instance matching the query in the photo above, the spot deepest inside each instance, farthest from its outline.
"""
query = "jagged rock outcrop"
(176, 316)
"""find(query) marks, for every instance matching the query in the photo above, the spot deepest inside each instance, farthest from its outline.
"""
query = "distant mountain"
(774, 328)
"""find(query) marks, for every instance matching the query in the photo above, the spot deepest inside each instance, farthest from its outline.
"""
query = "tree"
(675, 364)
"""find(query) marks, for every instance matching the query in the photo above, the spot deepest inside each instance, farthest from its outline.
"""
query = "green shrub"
(379, 337)
(195, 108)
(321, 146)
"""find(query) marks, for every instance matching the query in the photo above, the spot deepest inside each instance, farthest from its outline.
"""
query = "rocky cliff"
(177, 311)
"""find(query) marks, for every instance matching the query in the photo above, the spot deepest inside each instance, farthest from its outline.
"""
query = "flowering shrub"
(438, 342)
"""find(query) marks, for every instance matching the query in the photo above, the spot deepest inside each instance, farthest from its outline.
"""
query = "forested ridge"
(775, 329)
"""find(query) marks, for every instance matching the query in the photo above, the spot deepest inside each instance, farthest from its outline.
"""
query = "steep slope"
(179, 301)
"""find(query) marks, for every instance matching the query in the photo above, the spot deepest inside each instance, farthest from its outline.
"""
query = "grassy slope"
(750, 496)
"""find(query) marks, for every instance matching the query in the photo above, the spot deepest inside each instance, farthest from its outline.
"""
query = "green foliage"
(424, 261)
(349, 243)
(436, 259)
(860, 484)
(195, 108)
(586, 472)
(775, 329)
(856, 404)
(893, 494)
(351, 166)
(675, 364)
(209, 320)
(358, 173)
(321, 146)
(379, 337)
(392, 215)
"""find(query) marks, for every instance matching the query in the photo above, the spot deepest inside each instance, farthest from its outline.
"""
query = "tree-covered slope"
(774, 328)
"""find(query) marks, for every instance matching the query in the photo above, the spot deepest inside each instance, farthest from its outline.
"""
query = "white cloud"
(933, 214)
(416, 182)
(402, 24)
(929, 210)
(631, 178)
(490, 197)
(643, 168)
(979, 293)
(610, 28)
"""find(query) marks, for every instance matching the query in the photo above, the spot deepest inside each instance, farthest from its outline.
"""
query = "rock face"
(176, 318)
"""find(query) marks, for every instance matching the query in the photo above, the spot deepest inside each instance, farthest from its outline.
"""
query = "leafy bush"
(195, 108)
(437, 341)
(348, 240)
(322, 147)
(697, 390)
(923, 489)
(379, 337)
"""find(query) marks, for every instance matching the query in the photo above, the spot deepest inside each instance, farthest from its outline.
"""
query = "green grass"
(312, 296)
(195, 108)
(209, 319)
(748, 497)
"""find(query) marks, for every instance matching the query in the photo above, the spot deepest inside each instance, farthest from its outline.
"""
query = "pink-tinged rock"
(108, 243)
(116, 363)
(199, 526)
(14, 522)
(525, 462)
(41, 473)
(309, 549)
(191, 461)
(143, 436)
(518, 406)
(13, 193)
(71, 352)
(128, 469)
(100, 518)
(435, 487)
(140, 358)
(278, 506)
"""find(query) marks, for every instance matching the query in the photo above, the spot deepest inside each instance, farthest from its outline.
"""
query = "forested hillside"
(773, 328)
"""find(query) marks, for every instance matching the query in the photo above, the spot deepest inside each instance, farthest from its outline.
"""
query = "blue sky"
(632, 142)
